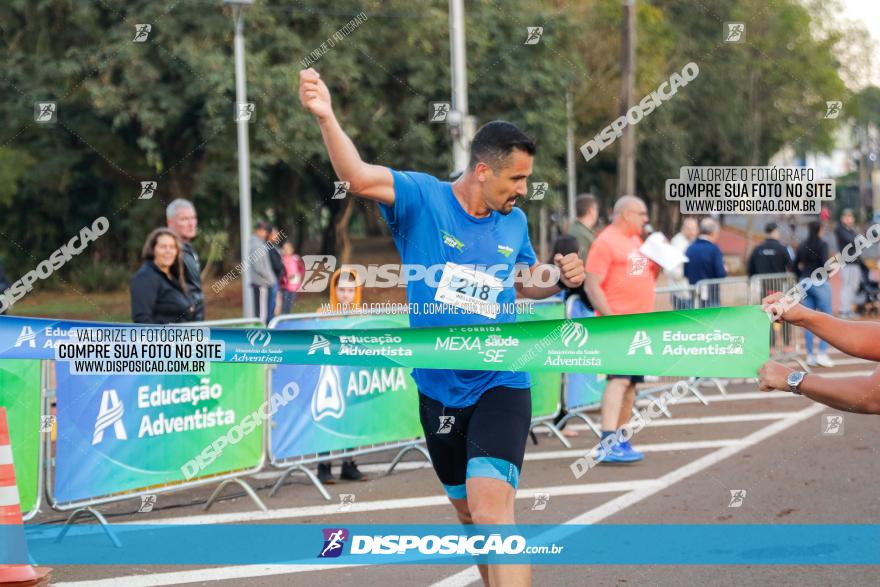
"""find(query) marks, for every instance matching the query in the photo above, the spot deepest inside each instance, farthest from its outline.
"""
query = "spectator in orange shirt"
(621, 280)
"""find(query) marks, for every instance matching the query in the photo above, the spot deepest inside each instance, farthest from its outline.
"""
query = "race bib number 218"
(471, 290)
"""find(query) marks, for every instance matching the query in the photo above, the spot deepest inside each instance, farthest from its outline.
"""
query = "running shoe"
(617, 455)
(811, 361)
(823, 360)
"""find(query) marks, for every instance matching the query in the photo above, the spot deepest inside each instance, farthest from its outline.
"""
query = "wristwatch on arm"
(794, 380)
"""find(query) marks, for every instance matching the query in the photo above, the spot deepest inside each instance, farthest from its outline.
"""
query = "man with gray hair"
(621, 280)
(181, 218)
(705, 261)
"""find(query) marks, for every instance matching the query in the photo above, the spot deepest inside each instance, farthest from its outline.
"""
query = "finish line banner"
(658, 343)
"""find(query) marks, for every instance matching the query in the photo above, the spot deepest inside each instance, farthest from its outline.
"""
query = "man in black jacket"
(4, 285)
(771, 256)
(182, 219)
(277, 268)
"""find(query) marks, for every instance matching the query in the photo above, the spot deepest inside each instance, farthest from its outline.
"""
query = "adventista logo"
(26, 336)
(640, 340)
(328, 399)
(505, 250)
(334, 541)
(110, 414)
(451, 241)
(574, 333)
(319, 343)
(258, 337)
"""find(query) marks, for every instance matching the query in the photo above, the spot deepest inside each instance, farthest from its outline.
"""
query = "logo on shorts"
(446, 424)
(574, 333)
(640, 340)
(334, 541)
(450, 240)
(319, 343)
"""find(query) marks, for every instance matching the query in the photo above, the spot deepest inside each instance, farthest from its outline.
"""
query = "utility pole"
(626, 161)
(570, 157)
(244, 165)
(461, 126)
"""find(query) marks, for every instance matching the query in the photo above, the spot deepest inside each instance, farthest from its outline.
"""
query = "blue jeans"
(273, 297)
(287, 300)
(818, 298)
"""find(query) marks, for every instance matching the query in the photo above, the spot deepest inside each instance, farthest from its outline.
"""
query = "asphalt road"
(772, 446)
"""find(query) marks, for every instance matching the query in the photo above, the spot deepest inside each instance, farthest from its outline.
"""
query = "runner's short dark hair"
(495, 141)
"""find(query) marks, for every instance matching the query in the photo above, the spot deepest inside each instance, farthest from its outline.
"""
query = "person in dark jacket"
(4, 285)
(181, 218)
(771, 256)
(705, 261)
(811, 255)
(277, 268)
(158, 289)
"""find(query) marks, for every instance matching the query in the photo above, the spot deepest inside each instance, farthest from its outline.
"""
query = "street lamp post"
(244, 167)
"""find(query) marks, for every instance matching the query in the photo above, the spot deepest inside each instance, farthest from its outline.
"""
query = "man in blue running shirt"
(476, 423)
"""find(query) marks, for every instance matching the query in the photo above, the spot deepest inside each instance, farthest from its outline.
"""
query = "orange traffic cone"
(10, 515)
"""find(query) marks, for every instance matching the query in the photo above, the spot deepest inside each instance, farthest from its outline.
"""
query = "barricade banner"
(344, 407)
(20, 389)
(658, 343)
(120, 433)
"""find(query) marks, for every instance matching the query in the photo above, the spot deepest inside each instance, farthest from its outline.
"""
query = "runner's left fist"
(571, 269)
(773, 375)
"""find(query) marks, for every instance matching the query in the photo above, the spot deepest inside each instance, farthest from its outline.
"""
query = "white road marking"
(373, 506)
(705, 420)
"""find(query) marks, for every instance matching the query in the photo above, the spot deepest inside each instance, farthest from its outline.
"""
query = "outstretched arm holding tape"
(860, 394)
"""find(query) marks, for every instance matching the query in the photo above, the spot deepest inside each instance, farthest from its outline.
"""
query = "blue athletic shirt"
(431, 228)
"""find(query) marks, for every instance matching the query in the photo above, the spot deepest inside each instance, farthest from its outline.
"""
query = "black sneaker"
(324, 474)
(351, 472)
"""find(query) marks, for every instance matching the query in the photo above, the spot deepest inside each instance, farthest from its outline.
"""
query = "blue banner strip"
(605, 544)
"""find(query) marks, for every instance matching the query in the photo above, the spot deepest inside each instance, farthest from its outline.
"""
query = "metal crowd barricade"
(85, 507)
(785, 339)
(299, 464)
(669, 298)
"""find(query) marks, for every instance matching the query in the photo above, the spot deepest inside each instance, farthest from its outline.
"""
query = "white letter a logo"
(110, 414)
